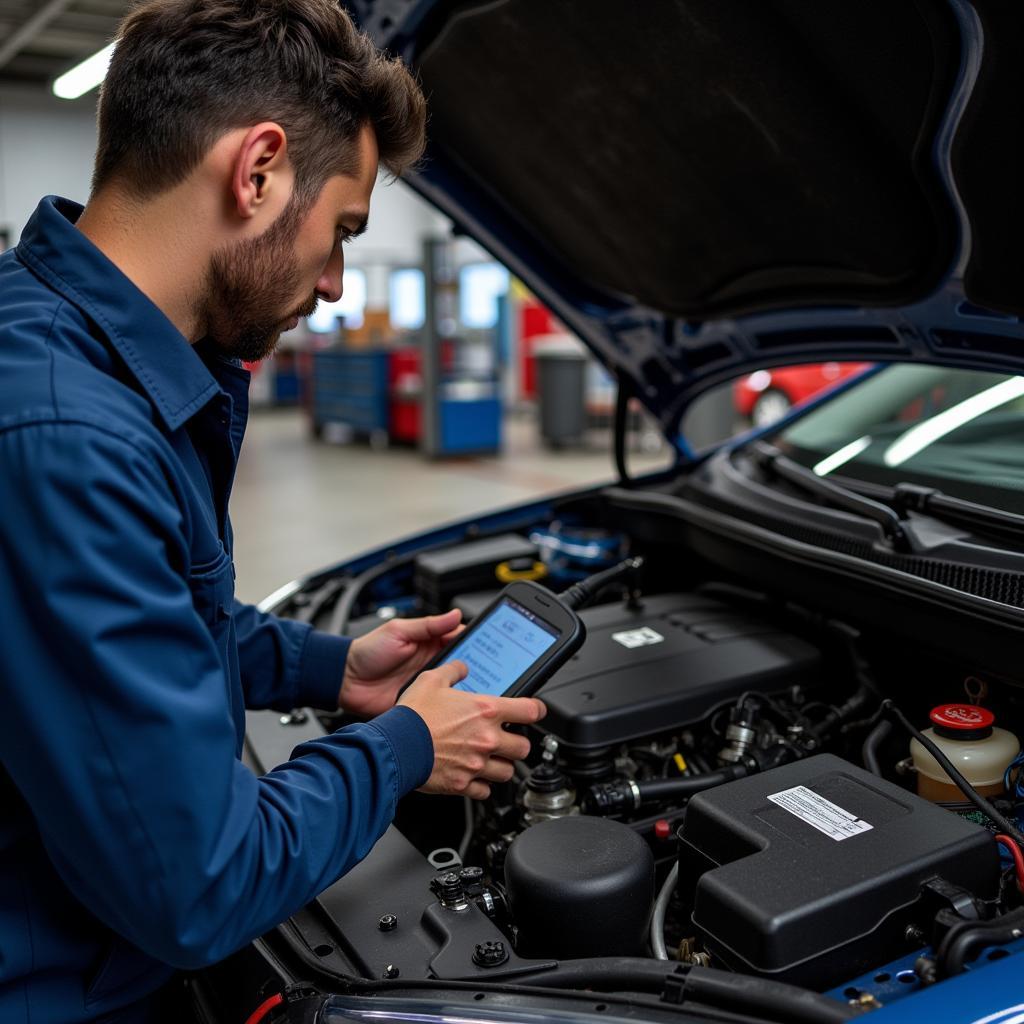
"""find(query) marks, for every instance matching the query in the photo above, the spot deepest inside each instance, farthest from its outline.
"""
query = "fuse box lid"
(799, 865)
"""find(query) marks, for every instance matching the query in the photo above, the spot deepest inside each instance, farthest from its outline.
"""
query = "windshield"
(960, 431)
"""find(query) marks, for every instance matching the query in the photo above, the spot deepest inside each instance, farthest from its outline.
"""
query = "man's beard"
(241, 304)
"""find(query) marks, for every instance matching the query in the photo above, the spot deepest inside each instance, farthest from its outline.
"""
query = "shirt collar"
(158, 355)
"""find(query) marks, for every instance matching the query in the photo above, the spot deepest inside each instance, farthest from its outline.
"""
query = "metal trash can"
(561, 374)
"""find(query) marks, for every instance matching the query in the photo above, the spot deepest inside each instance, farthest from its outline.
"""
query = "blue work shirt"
(133, 841)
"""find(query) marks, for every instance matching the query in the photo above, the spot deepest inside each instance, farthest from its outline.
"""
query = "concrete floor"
(300, 505)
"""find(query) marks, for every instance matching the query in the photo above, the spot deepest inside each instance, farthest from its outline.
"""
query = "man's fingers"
(521, 710)
(431, 627)
(448, 674)
(512, 747)
(449, 637)
(498, 769)
(478, 790)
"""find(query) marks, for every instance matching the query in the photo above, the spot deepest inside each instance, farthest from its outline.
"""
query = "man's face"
(259, 288)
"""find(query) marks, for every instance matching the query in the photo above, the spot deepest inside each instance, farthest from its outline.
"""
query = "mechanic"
(239, 142)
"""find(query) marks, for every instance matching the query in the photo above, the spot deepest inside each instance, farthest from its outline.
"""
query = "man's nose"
(329, 287)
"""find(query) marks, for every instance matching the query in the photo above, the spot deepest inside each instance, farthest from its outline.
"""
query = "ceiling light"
(85, 76)
(915, 440)
(843, 456)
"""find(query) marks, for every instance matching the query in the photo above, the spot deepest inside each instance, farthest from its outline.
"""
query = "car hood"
(700, 187)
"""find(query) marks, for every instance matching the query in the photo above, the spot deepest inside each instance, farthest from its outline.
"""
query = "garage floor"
(299, 506)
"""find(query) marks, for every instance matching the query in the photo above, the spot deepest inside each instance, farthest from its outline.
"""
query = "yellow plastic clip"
(680, 763)
(506, 574)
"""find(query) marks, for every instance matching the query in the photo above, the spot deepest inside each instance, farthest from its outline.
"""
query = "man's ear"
(261, 175)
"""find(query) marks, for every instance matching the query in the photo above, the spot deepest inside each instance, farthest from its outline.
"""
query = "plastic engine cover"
(811, 873)
(666, 665)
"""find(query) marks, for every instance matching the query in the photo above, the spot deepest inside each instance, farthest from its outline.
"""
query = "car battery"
(440, 575)
(814, 872)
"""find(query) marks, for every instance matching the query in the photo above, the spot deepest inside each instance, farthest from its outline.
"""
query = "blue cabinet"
(350, 388)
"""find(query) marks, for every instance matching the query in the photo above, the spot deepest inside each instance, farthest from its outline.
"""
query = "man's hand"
(382, 661)
(471, 748)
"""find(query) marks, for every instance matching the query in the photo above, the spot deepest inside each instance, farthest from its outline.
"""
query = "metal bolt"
(490, 954)
(471, 876)
(913, 934)
(866, 1001)
(388, 923)
(449, 890)
(390, 971)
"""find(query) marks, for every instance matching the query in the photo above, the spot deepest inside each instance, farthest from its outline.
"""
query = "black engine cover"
(666, 665)
(811, 873)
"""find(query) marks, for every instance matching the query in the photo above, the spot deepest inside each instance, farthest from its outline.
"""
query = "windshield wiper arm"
(773, 462)
(957, 512)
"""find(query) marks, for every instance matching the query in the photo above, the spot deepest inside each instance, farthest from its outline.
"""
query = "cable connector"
(581, 594)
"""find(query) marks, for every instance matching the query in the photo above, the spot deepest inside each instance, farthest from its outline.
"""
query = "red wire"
(1018, 858)
(267, 1005)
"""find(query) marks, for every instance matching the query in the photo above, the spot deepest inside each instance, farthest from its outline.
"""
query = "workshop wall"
(47, 147)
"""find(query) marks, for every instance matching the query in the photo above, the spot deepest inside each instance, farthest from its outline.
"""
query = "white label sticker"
(822, 814)
(643, 637)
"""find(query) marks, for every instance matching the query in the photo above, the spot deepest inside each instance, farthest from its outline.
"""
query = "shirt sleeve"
(116, 726)
(287, 664)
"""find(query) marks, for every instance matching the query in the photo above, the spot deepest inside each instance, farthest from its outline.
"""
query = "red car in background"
(767, 395)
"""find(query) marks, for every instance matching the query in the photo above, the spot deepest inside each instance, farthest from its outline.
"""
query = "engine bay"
(728, 785)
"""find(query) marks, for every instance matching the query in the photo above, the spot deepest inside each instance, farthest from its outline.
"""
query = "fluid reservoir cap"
(962, 721)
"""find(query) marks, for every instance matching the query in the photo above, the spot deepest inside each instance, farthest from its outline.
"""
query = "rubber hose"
(345, 605)
(721, 989)
(874, 740)
(971, 940)
(653, 790)
(658, 916)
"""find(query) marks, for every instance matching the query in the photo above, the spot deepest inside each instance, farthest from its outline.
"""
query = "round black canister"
(578, 887)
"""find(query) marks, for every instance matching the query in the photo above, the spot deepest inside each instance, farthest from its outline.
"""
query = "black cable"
(964, 942)
(649, 977)
(676, 984)
(318, 600)
(661, 789)
(619, 797)
(874, 740)
(346, 603)
(622, 396)
(983, 805)
(582, 593)
(707, 984)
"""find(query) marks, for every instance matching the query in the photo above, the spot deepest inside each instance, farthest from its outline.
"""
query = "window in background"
(480, 286)
(407, 298)
(350, 306)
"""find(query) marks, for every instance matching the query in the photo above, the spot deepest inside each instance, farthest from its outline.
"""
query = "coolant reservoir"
(967, 735)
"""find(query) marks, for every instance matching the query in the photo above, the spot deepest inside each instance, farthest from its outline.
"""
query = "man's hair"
(184, 72)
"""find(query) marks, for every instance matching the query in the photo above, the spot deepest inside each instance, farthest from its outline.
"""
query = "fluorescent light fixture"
(85, 76)
(843, 456)
(927, 433)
